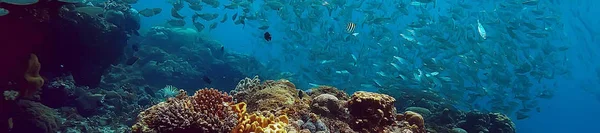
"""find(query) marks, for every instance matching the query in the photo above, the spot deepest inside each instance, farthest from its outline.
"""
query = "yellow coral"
(258, 123)
(240, 109)
(32, 76)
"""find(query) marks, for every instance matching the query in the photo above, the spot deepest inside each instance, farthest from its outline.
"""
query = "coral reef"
(310, 123)
(441, 116)
(181, 57)
(487, 122)
(276, 106)
(245, 88)
(206, 111)
(53, 32)
(80, 78)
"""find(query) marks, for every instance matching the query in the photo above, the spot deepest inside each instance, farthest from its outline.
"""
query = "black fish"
(222, 48)
(267, 36)
(132, 60)
(206, 79)
(233, 17)
(300, 94)
(135, 47)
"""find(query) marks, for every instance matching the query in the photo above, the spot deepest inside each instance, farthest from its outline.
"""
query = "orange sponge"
(32, 76)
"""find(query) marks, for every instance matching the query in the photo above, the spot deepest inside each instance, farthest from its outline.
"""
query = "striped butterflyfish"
(350, 27)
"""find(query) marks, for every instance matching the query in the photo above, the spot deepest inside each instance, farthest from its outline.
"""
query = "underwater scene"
(299, 66)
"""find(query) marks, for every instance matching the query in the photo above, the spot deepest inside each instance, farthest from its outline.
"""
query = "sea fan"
(168, 91)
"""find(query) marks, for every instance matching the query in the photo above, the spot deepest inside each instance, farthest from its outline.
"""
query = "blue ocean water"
(574, 108)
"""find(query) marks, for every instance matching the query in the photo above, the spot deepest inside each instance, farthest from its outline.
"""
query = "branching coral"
(212, 101)
(246, 87)
(207, 111)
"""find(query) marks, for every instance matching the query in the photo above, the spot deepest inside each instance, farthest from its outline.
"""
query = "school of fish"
(490, 56)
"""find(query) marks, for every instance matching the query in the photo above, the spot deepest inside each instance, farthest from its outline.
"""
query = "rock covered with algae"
(371, 112)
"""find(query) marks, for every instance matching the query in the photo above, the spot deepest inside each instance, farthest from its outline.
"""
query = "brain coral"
(206, 111)
(328, 105)
(371, 112)
(414, 120)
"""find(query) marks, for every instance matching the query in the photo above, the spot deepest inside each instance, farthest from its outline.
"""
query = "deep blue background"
(575, 108)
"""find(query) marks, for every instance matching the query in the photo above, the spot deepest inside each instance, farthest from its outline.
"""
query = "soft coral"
(32, 76)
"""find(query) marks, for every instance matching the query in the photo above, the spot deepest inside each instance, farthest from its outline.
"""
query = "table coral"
(207, 111)
(371, 112)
